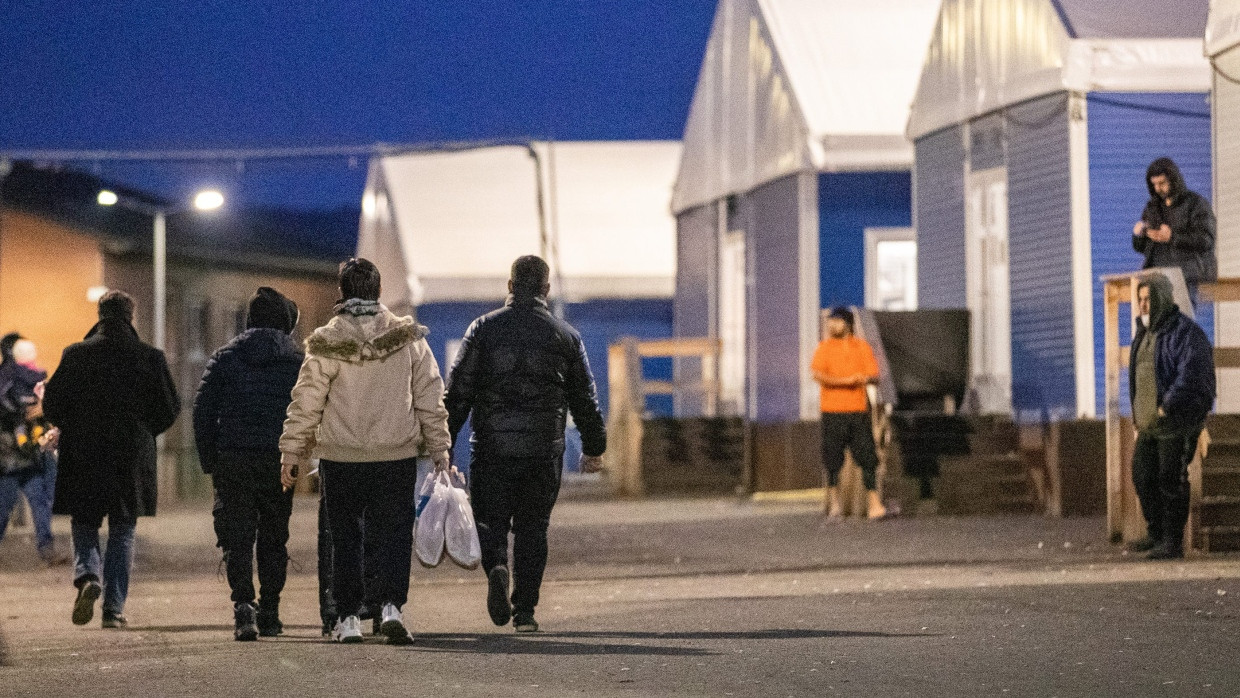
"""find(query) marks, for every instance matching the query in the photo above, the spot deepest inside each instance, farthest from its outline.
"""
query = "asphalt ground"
(671, 597)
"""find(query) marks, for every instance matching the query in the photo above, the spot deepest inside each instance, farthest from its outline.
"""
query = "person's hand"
(39, 389)
(1160, 234)
(591, 464)
(1139, 228)
(50, 440)
(442, 461)
(1162, 412)
(289, 470)
(860, 380)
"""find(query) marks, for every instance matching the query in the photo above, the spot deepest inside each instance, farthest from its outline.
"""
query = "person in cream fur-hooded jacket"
(369, 390)
(368, 401)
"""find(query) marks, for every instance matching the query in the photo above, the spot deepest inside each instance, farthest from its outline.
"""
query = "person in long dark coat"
(110, 397)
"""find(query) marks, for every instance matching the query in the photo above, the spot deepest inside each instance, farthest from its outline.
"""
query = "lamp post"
(207, 200)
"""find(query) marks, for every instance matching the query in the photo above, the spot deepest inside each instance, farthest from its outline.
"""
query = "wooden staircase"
(1216, 509)
(993, 478)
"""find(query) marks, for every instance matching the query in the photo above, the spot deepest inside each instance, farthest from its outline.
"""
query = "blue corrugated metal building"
(1033, 126)
(795, 173)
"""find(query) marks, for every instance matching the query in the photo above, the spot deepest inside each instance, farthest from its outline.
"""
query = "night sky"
(139, 74)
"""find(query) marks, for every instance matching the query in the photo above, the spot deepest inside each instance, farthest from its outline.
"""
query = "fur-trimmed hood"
(358, 338)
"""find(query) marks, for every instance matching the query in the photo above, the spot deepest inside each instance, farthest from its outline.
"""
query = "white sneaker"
(393, 626)
(348, 630)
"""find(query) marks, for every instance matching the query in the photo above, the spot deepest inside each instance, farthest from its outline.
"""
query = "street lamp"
(207, 200)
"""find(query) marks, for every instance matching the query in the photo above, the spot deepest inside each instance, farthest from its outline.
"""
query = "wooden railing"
(1124, 519)
(628, 391)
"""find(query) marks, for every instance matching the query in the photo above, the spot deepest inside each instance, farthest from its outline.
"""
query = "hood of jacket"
(363, 332)
(1168, 167)
(1162, 300)
(264, 346)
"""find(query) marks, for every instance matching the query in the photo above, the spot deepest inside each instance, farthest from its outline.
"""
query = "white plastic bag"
(460, 533)
(428, 537)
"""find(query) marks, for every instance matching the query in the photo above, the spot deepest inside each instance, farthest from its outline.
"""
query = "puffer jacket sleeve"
(583, 402)
(1200, 234)
(428, 400)
(207, 404)
(305, 412)
(1190, 395)
(463, 381)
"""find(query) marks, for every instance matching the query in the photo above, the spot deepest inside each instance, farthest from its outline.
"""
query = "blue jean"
(116, 562)
(38, 485)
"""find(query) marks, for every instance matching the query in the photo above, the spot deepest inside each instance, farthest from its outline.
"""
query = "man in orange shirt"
(843, 365)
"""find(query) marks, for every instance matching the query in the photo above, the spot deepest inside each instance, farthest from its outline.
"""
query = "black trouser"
(251, 507)
(849, 430)
(374, 500)
(515, 494)
(327, 604)
(1160, 476)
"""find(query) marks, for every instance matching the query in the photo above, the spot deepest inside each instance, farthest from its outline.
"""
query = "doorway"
(732, 319)
(988, 290)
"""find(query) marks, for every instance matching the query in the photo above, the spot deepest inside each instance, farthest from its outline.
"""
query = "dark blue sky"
(142, 74)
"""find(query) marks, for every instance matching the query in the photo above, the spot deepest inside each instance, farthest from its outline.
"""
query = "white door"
(988, 288)
(732, 323)
(890, 269)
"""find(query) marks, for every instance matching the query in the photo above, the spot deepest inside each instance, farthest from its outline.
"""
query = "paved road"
(675, 597)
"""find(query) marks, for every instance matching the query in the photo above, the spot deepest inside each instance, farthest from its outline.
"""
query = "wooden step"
(1218, 539)
(1219, 481)
(1223, 453)
(984, 465)
(1219, 510)
(1224, 427)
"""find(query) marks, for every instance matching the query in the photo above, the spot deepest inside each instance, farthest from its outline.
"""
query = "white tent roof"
(797, 85)
(1223, 28)
(451, 223)
(987, 54)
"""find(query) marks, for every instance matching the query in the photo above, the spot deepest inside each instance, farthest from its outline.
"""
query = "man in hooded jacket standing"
(520, 371)
(238, 418)
(110, 397)
(1177, 227)
(1171, 385)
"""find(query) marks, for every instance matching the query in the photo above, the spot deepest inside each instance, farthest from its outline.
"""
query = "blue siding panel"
(1040, 259)
(939, 205)
(1126, 132)
(848, 203)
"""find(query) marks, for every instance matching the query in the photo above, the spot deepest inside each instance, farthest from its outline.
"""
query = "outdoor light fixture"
(208, 200)
(94, 293)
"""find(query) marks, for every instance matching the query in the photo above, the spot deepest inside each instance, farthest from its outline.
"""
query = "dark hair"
(844, 314)
(530, 274)
(359, 278)
(116, 305)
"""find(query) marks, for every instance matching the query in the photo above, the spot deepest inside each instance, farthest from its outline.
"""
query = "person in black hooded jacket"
(238, 417)
(1171, 384)
(1177, 227)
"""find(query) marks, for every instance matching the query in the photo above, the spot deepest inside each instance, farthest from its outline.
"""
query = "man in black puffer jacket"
(520, 371)
(238, 418)
(1177, 227)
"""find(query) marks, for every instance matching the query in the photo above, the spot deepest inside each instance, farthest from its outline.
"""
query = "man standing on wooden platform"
(844, 365)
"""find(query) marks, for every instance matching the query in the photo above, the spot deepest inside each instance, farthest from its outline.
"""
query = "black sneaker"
(1143, 545)
(84, 607)
(524, 622)
(1166, 552)
(497, 595)
(246, 630)
(269, 624)
(115, 620)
